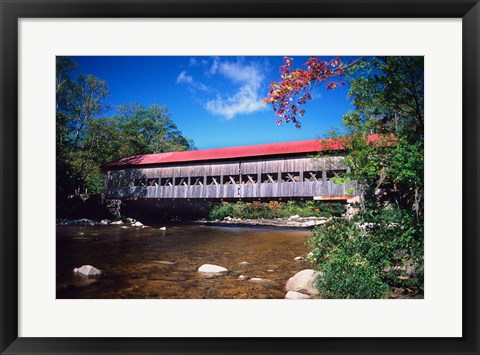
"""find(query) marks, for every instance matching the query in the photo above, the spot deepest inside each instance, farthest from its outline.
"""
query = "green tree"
(149, 130)
(85, 140)
(357, 256)
(387, 93)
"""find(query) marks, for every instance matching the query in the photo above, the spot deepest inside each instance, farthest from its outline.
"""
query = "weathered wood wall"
(251, 178)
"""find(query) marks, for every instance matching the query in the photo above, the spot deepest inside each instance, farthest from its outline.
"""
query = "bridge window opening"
(213, 180)
(140, 182)
(196, 181)
(166, 182)
(291, 177)
(152, 182)
(335, 174)
(249, 179)
(269, 178)
(312, 176)
(231, 179)
(181, 181)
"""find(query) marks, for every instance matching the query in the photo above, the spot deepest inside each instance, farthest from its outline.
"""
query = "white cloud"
(184, 78)
(247, 99)
(195, 62)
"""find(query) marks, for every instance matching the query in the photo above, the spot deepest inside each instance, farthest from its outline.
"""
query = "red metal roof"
(308, 146)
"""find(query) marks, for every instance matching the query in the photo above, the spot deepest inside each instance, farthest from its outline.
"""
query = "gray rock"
(212, 269)
(413, 271)
(303, 282)
(87, 270)
(86, 222)
(293, 295)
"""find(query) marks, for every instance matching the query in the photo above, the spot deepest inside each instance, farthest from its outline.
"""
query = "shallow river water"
(151, 263)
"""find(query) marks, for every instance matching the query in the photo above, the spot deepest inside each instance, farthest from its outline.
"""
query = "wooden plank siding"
(248, 178)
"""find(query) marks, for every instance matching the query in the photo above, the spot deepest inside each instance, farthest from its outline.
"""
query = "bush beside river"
(275, 209)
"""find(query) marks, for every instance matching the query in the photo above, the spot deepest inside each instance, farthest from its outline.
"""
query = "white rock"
(116, 222)
(295, 216)
(87, 270)
(137, 224)
(104, 222)
(242, 277)
(228, 218)
(244, 263)
(292, 295)
(299, 258)
(210, 268)
(303, 282)
(163, 228)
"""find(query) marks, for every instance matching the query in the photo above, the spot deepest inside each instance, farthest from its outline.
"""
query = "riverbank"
(293, 221)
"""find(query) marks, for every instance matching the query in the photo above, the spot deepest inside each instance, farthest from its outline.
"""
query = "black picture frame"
(11, 11)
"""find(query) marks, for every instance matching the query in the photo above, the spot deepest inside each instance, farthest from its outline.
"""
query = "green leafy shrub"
(350, 276)
(364, 257)
(275, 209)
(220, 211)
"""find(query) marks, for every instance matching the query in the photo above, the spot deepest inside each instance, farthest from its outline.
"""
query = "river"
(143, 263)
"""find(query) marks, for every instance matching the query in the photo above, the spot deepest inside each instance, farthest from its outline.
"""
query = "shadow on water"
(154, 263)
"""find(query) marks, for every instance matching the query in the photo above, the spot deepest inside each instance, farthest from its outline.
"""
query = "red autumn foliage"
(294, 88)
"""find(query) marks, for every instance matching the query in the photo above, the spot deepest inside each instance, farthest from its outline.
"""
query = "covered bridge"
(291, 170)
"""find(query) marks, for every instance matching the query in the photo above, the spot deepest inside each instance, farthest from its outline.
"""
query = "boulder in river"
(137, 224)
(212, 269)
(293, 295)
(303, 282)
(87, 270)
(116, 222)
(86, 222)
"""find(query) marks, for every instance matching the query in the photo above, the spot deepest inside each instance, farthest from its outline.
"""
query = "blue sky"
(215, 100)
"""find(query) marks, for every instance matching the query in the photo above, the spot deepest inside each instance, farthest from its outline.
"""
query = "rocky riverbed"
(149, 262)
(292, 221)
